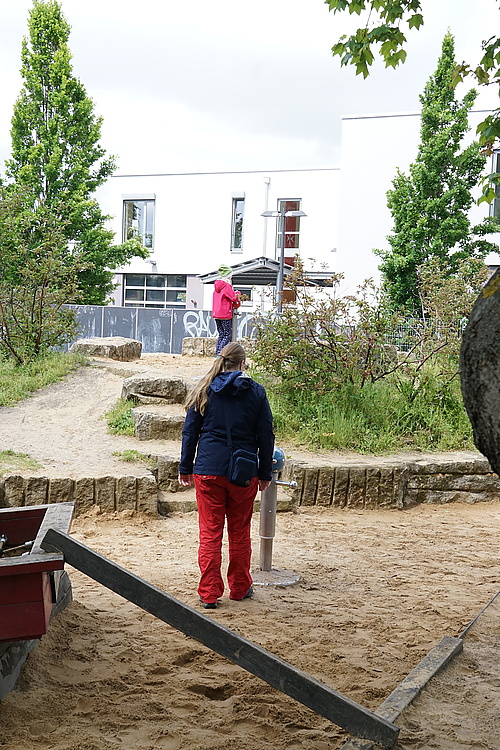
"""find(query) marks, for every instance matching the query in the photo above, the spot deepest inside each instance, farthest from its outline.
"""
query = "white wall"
(193, 216)
(373, 147)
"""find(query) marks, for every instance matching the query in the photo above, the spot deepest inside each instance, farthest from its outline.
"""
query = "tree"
(430, 205)
(383, 28)
(56, 156)
(36, 279)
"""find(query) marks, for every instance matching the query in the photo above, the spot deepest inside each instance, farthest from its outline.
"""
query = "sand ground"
(377, 590)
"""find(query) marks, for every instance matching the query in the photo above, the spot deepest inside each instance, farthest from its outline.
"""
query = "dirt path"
(377, 590)
(64, 428)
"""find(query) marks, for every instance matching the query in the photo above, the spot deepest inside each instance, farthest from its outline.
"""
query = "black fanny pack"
(242, 467)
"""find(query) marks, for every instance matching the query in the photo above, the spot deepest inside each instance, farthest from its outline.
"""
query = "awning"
(263, 272)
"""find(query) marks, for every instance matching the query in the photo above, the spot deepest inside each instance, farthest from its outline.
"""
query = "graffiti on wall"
(159, 330)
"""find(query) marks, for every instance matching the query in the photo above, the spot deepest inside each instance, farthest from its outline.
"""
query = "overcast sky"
(227, 85)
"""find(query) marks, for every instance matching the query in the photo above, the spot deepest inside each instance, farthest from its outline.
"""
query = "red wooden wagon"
(33, 584)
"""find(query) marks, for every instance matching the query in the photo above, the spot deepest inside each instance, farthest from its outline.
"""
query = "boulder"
(155, 423)
(153, 389)
(112, 347)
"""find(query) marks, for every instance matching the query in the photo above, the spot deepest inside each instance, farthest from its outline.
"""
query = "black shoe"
(248, 595)
(209, 605)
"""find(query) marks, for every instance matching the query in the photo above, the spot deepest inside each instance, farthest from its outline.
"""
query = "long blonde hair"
(229, 359)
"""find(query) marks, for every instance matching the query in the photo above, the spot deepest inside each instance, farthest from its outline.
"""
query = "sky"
(196, 86)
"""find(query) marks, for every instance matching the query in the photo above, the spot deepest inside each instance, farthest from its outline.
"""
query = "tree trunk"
(480, 371)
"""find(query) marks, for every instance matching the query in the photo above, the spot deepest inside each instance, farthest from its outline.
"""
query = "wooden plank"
(268, 667)
(57, 516)
(14, 566)
(412, 685)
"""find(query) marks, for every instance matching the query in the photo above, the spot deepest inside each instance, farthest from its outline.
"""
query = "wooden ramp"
(302, 687)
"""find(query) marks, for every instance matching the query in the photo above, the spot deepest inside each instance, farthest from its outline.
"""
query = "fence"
(158, 329)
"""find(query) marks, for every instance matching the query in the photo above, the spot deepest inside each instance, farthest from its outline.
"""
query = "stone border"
(109, 493)
(354, 486)
(401, 486)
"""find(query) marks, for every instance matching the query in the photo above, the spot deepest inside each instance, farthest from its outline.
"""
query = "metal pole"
(281, 271)
(267, 526)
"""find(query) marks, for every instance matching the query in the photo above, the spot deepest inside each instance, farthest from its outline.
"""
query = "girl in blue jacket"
(225, 394)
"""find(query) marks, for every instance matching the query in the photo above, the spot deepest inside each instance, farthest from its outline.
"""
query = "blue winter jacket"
(251, 424)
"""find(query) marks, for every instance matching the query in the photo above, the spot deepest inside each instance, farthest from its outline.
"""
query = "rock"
(152, 389)
(480, 371)
(112, 347)
(153, 423)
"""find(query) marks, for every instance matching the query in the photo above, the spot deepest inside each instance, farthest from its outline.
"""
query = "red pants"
(218, 499)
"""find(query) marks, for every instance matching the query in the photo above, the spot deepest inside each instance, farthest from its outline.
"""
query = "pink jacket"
(222, 301)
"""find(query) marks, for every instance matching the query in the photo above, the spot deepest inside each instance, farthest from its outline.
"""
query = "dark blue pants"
(224, 329)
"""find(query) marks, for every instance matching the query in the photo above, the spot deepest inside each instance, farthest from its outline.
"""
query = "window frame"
(147, 201)
(237, 198)
(145, 288)
(295, 250)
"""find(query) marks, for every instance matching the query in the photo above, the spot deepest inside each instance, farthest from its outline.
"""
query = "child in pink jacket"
(224, 301)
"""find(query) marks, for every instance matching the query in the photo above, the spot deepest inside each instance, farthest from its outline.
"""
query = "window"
(138, 221)
(237, 225)
(292, 228)
(155, 290)
(246, 294)
(495, 205)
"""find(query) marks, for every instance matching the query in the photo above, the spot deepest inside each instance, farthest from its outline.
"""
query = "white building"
(192, 223)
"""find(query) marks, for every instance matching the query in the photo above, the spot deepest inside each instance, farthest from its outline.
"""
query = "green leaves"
(430, 205)
(384, 21)
(56, 155)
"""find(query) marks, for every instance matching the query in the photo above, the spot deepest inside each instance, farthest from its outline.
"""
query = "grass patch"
(119, 418)
(19, 382)
(133, 456)
(379, 418)
(12, 461)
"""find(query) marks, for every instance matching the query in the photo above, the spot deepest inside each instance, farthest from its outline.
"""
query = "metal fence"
(159, 330)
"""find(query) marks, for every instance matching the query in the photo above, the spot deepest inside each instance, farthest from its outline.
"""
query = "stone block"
(167, 473)
(112, 347)
(60, 490)
(193, 346)
(105, 494)
(372, 487)
(157, 425)
(339, 499)
(2, 493)
(14, 491)
(126, 493)
(36, 491)
(83, 494)
(326, 476)
(309, 487)
(154, 389)
(386, 487)
(479, 465)
(460, 482)
(209, 347)
(356, 488)
(401, 475)
(147, 495)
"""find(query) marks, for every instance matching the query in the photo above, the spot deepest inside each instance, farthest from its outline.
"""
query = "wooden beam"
(268, 667)
(412, 685)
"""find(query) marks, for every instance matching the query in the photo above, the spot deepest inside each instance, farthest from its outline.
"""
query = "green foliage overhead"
(430, 206)
(56, 155)
(384, 33)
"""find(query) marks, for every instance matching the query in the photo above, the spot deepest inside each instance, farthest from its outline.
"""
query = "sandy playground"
(377, 590)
